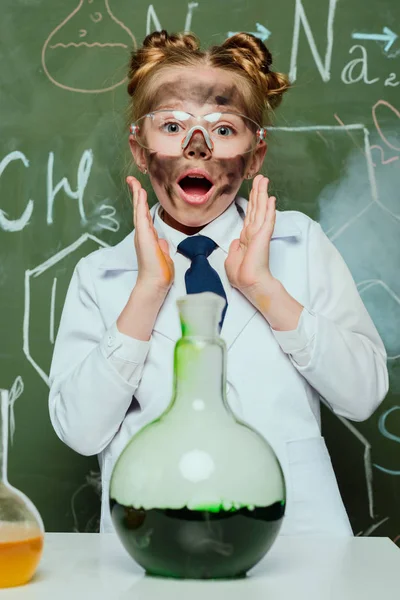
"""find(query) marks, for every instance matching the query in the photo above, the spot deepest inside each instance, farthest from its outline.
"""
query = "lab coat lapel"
(238, 314)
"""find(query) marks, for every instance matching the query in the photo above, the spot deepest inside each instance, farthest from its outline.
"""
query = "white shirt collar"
(220, 230)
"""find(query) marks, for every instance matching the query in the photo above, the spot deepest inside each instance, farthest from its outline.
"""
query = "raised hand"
(247, 263)
(155, 266)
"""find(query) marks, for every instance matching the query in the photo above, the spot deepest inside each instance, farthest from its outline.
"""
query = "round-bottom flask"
(21, 527)
(198, 493)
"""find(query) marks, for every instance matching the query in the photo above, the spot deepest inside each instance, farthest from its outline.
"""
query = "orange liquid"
(19, 554)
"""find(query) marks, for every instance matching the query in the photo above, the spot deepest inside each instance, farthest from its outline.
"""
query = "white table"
(92, 566)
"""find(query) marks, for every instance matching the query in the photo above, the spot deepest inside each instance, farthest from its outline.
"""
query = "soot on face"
(226, 173)
(196, 92)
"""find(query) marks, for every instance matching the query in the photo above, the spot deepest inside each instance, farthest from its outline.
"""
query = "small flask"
(21, 527)
(197, 493)
(92, 37)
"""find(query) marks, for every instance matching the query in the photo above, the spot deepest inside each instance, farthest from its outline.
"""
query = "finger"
(254, 204)
(146, 212)
(246, 220)
(147, 233)
(138, 204)
(134, 204)
(270, 216)
(133, 183)
(250, 207)
(134, 186)
(149, 217)
(262, 203)
(145, 236)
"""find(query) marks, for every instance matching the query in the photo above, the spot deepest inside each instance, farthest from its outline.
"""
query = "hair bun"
(252, 48)
(253, 56)
(157, 47)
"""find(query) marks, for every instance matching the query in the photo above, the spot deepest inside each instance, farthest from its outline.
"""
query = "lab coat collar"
(122, 257)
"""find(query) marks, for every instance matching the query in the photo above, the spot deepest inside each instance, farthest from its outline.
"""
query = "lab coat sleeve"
(347, 364)
(129, 354)
(299, 342)
(89, 396)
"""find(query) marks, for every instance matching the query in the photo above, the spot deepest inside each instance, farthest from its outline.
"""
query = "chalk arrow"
(262, 32)
(387, 36)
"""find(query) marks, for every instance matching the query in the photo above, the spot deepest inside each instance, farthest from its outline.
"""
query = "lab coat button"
(110, 341)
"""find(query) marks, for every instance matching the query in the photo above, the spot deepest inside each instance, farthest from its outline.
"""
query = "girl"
(295, 327)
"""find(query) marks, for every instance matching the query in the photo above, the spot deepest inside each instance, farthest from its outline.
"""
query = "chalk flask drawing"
(21, 527)
(86, 52)
(197, 493)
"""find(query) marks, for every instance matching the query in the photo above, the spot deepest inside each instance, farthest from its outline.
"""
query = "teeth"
(196, 176)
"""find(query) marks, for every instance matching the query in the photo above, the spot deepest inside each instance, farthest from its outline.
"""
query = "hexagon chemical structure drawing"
(31, 276)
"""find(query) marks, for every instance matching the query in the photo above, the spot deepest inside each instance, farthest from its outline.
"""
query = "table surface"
(96, 566)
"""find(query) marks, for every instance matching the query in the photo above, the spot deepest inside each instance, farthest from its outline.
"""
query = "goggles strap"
(134, 129)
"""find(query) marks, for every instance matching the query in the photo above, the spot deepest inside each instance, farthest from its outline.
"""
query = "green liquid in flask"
(201, 544)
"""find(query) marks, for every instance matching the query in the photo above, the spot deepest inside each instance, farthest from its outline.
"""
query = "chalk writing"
(376, 122)
(387, 36)
(391, 80)
(350, 74)
(108, 220)
(300, 18)
(15, 224)
(84, 168)
(153, 22)
(261, 32)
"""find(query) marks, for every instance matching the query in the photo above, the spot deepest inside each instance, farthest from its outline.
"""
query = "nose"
(197, 146)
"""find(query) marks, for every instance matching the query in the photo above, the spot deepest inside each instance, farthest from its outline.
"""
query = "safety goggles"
(170, 132)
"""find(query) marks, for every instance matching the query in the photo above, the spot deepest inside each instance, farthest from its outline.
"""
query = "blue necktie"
(200, 276)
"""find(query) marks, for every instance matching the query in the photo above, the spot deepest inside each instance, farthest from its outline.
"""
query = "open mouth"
(195, 187)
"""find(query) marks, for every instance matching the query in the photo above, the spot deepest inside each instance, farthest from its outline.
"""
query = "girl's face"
(197, 91)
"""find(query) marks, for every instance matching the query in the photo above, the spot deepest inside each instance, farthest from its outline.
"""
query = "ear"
(138, 153)
(257, 158)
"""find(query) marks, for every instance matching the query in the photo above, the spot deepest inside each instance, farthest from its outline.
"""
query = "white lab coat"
(96, 411)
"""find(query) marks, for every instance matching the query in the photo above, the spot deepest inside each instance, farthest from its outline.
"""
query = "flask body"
(21, 527)
(198, 493)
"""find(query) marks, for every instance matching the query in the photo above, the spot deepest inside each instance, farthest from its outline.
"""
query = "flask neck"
(3, 435)
(200, 375)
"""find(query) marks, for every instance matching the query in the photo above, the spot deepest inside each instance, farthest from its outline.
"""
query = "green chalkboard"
(334, 153)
